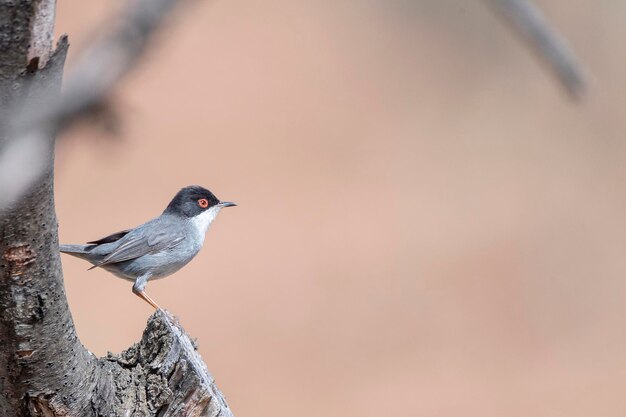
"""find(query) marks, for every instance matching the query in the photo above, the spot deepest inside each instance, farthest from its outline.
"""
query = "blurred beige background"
(426, 226)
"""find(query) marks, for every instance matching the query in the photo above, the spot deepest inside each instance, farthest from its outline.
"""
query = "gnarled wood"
(162, 375)
(167, 366)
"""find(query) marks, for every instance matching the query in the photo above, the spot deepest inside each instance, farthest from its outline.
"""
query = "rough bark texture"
(44, 369)
(36, 328)
(162, 375)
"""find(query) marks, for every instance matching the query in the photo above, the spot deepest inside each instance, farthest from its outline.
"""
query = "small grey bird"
(159, 247)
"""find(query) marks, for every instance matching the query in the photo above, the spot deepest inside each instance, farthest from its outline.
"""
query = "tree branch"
(166, 362)
(161, 375)
(527, 20)
(98, 68)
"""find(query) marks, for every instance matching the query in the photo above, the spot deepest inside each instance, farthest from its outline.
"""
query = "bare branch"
(104, 63)
(96, 71)
(527, 20)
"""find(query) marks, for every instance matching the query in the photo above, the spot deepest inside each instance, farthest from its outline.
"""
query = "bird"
(159, 247)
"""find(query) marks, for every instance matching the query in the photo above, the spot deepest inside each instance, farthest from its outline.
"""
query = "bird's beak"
(226, 204)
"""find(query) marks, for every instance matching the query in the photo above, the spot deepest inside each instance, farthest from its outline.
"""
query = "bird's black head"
(193, 200)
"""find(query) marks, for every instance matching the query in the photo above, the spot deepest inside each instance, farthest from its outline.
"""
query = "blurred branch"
(527, 20)
(97, 70)
(108, 59)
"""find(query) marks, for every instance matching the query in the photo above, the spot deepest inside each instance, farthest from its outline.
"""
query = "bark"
(44, 369)
(162, 375)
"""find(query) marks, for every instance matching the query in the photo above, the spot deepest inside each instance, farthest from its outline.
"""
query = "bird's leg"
(140, 284)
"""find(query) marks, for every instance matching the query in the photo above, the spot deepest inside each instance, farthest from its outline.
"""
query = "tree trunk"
(44, 369)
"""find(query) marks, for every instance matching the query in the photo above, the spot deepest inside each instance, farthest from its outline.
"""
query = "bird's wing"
(139, 242)
(110, 238)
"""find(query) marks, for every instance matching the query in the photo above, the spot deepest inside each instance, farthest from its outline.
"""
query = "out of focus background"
(427, 225)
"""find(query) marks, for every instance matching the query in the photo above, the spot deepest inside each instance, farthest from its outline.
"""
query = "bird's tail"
(80, 251)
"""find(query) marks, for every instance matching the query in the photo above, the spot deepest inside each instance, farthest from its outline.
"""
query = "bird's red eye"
(203, 202)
